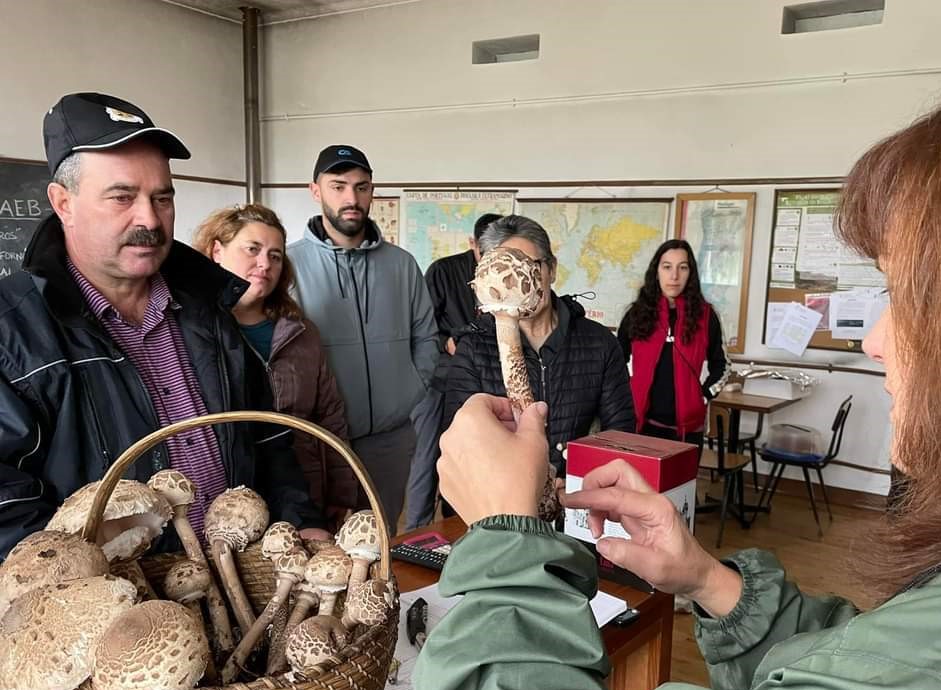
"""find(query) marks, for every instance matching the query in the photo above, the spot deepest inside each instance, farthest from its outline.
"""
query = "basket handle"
(129, 456)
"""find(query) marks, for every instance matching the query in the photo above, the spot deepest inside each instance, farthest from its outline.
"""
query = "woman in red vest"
(667, 334)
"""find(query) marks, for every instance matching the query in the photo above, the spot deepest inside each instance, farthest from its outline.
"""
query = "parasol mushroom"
(280, 537)
(288, 570)
(47, 558)
(156, 644)
(329, 572)
(359, 537)
(508, 284)
(134, 516)
(235, 518)
(313, 642)
(186, 582)
(180, 493)
(48, 635)
(369, 603)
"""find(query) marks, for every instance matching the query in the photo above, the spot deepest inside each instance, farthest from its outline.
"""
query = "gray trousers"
(423, 478)
(386, 457)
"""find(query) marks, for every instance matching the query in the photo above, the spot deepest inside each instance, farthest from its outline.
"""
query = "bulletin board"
(807, 264)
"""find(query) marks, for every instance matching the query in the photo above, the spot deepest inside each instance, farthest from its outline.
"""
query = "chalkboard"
(23, 204)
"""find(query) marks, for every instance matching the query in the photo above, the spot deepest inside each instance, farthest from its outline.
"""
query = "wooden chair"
(728, 465)
(746, 441)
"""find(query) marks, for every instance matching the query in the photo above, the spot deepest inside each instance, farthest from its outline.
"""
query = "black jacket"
(455, 306)
(579, 372)
(71, 402)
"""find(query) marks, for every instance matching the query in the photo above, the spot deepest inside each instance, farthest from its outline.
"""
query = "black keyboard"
(428, 558)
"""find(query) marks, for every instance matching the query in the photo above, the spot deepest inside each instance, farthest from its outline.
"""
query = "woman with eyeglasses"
(666, 336)
(574, 363)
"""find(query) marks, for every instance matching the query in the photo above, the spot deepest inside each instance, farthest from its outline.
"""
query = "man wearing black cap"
(112, 330)
(375, 317)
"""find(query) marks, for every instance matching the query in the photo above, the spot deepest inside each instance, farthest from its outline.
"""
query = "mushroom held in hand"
(134, 516)
(329, 572)
(313, 642)
(47, 558)
(288, 569)
(156, 644)
(369, 603)
(179, 492)
(359, 537)
(48, 635)
(235, 518)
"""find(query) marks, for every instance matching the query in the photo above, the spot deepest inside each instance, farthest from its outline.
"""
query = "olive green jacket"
(526, 623)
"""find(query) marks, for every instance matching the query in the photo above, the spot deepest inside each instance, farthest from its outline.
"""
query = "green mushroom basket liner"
(361, 665)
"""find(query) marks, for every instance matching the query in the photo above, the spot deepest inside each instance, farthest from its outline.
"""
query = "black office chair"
(728, 465)
(806, 461)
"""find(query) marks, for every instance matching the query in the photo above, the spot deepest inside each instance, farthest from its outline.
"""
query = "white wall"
(184, 69)
(646, 89)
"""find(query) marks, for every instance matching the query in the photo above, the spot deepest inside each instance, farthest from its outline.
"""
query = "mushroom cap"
(314, 641)
(156, 644)
(186, 581)
(370, 602)
(237, 516)
(359, 536)
(134, 516)
(508, 281)
(329, 572)
(174, 486)
(46, 558)
(280, 537)
(48, 635)
(292, 563)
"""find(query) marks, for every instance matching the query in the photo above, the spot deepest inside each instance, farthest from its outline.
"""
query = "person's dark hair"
(890, 211)
(511, 226)
(643, 313)
(483, 222)
(223, 225)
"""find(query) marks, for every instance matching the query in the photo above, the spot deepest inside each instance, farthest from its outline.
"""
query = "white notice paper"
(773, 319)
(797, 327)
(784, 255)
(789, 216)
(854, 312)
(786, 235)
(782, 273)
(819, 250)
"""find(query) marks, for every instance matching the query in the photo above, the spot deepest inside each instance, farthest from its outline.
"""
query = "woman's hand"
(661, 549)
(491, 465)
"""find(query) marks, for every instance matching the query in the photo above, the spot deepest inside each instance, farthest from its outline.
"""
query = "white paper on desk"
(604, 606)
(797, 328)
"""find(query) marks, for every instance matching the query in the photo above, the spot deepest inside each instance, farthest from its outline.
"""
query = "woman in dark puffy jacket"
(575, 364)
(249, 241)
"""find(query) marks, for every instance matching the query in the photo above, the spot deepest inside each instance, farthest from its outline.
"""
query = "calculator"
(429, 550)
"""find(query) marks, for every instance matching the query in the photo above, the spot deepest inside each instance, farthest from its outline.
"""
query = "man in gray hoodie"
(375, 317)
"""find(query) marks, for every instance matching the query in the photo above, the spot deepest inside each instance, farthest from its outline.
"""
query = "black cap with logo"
(96, 122)
(340, 154)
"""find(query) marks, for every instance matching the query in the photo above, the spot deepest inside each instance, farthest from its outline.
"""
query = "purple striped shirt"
(157, 350)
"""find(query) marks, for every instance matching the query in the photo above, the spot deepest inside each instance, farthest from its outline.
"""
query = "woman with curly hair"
(249, 242)
(666, 335)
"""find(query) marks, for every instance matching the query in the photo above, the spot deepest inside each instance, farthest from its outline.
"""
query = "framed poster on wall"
(718, 226)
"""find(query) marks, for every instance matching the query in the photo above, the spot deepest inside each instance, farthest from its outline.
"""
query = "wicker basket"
(362, 665)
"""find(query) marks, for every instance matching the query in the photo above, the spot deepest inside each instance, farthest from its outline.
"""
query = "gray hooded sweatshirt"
(376, 322)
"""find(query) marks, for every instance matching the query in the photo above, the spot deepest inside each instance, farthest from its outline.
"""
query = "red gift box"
(669, 467)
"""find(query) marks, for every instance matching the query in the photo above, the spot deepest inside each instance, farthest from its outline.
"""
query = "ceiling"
(273, 11)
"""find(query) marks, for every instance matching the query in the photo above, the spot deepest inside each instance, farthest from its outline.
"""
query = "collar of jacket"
(186, 271)
(318, 233)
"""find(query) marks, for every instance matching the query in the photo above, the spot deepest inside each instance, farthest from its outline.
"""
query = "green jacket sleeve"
(525, 621)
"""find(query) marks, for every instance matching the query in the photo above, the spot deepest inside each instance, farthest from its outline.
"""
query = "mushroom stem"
(328, 601)
(218, 616)
(253, 634)
(222, 554)
(512, 362)
(277, 662)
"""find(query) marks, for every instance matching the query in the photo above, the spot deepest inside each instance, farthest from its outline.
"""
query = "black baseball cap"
(97, 122)
(337, 155)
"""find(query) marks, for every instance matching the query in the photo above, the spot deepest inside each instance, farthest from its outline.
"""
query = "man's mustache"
(145, 237)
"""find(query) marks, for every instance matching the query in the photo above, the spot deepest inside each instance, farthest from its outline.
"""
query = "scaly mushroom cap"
(186, 581)
(507, 280)
(292, 563)
(48, 635)
(329, 572)
(156, 644)
(280, 537)
(237, 516)
(313, 642)
(359, 536)
(134, 516)
(370, 602)
(174, 486)
(47, 558)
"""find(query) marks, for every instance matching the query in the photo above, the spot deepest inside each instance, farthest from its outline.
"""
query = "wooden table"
(639, 652)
